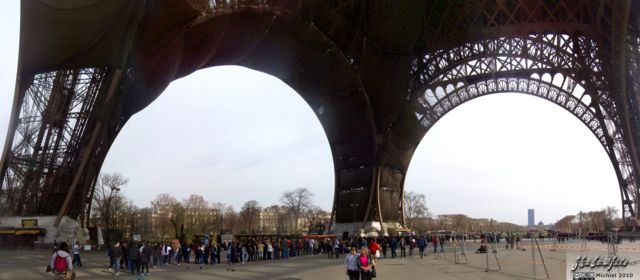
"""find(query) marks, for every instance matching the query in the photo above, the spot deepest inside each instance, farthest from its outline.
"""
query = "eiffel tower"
(378, 75)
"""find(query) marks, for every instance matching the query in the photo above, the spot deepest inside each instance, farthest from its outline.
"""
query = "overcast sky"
(233, 134)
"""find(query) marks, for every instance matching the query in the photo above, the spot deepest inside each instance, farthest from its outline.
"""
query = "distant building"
(277, 219)
(274, 219)
(531, 215)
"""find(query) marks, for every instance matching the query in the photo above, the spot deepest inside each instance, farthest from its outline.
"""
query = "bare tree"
(415, 207)
(218, 208)
(297, 202)
(565, 224)
(317, 219)
(144, 223)
(196, 214)
(127, 219)
(249, 215)
(460, 222)
(9, 194)
(610, 215)
(107, 199)
(162, 208)
(283, 222)
(230, 222)
(227, 217)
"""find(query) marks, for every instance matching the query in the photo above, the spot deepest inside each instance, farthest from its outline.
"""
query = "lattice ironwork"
(583, 55)
(451, 24)
(229, 4)
(566, 69)
(54, 113)
(435, 104)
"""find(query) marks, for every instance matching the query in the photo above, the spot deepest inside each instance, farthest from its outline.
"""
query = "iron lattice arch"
(55, 110)
(565, 69)
(377, 74)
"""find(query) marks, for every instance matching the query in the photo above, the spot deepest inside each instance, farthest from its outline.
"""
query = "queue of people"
(136, 257)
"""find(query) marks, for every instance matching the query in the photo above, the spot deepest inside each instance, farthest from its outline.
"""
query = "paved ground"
(512, 265)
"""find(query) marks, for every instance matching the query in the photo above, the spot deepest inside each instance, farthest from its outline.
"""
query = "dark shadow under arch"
(281, 44)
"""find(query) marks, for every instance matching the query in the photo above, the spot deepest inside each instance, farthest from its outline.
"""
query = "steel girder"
(569, 52)
(56, 108)
(577, 61)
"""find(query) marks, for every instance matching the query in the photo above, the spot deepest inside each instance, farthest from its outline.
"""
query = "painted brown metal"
(378, 75)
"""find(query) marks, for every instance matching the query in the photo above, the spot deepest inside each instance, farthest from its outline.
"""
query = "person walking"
(124, 261)
(269, 251)
(117, 255)
(284, 248)
(260, 251)
(394, 245)
(351, 262)
(434, 240)
(384, 244)
(311, 244)
(144, 255)
(244, 253)
(374, 249)
(214, 252)
(165, 254)
(412, 245)
(422, 244)
(76, 254)
(403, 247)
(365, 265)
(201, 255)
(110, 255)
(61, 263)
(133, 258)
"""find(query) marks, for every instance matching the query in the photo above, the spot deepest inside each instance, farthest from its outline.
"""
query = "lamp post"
(220, 229)
(116, 190)
(109, 215)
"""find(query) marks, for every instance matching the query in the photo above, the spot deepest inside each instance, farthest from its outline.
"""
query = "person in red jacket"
(374, 247)
(434, 240)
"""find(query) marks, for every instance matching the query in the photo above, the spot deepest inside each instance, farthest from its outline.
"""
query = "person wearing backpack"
(61, 263)
(422, 244)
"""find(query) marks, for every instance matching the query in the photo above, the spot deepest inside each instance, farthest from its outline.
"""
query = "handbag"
(67, 275)
(70, 275)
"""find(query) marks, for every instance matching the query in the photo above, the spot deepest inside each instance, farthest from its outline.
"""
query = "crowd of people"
(395, 247)
(136, 257)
